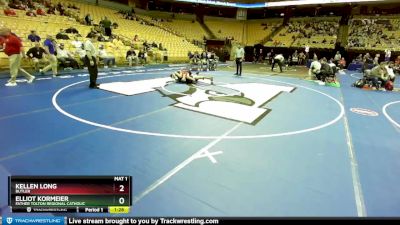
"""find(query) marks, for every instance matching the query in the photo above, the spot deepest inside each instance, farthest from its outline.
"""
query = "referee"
(91, 61)
(239, 56)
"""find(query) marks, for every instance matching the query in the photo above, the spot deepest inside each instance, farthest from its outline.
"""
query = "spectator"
(71, 30)
(66, 58)
(164, 55)
(342, 63)
(315, 57)
(33, 37)
(61, 9)
(92, 33)
(131, 56)
(107, 26)
(388, 55)
(9, 12)
(142, 56)
(146, 46)
(62, 35)
(359, 58)
(117, 42)
(337, 57)
(295, 58)
(367, 60)
(397, 61)
(108, 59)
(101, 38)
(51, 10)
(36, 55)
(88, 20)
(17, 5)
(135, 38)
(40, 12)
(376, 59)
(79, 50)
(302, 58)
(333, 66)
(31, 13)
(30, 4)
(307, 50)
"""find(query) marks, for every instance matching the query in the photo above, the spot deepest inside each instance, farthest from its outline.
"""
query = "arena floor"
(264, 144)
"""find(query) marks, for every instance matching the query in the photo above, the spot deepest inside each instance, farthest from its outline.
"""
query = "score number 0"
(122, 199)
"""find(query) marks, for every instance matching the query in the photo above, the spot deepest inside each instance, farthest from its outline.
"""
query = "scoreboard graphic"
(82, 194)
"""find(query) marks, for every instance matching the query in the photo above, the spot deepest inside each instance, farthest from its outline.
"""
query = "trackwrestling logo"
(239, 102)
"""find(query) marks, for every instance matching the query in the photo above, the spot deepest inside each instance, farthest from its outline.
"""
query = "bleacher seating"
(316, 32)
(177, 47)
(257, 30)
(189, 29)
(374, 33)
(176, 34)
(224, 28)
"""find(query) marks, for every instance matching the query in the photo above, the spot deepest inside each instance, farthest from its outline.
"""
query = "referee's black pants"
(239, 66)
(92, 71)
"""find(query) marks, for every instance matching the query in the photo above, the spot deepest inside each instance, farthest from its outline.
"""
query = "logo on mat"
(240, 102)
(9, 220)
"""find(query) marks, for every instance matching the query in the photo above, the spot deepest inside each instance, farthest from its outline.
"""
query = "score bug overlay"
(85, 194)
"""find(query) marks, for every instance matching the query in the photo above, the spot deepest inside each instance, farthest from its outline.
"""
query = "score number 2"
(122, 199)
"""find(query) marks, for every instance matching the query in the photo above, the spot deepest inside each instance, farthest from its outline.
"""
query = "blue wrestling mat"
(256, 145)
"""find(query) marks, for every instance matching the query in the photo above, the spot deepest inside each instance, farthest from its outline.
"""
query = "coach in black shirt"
(36, 54)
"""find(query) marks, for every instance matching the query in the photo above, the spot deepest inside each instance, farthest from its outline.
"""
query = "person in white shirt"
(239, 57)
(65, 57)
(79, 49)
(388, 54)
(91, 61)
(333, 66)
(131, 56)
(307, 50)
(109, 60)
(278, 59)
(315, 69)
(77, 43)
(337, 57)
(376, 59)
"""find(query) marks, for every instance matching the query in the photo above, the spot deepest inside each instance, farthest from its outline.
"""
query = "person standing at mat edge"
(91, 61)
(50, 48)
(14, 50)
(239, 56)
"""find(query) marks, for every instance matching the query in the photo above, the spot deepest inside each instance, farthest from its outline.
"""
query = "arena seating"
(176, 35)
(316, 32)
(177, 47)
(225, 28)
(257, 30)
(382, 33)
(192, 30)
